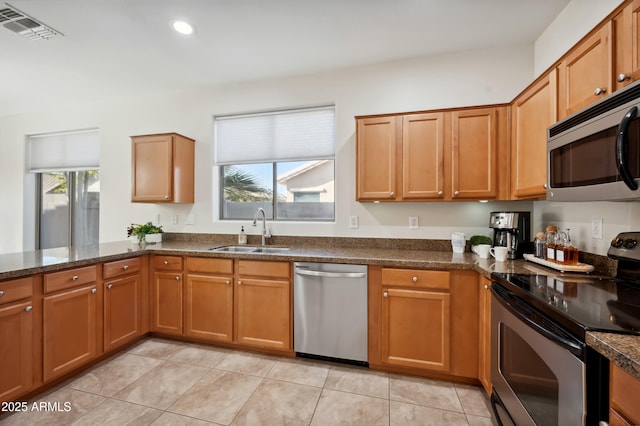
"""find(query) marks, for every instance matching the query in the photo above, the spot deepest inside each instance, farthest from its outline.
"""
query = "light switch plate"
(353, 222)
(596, 228)
(413, 222)
(191, 219)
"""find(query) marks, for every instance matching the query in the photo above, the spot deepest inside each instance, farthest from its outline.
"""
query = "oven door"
(537, 378)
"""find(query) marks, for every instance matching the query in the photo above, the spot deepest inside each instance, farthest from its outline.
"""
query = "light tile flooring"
(163, 382)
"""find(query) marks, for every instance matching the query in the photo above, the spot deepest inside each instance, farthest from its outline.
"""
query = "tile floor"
(163, 382)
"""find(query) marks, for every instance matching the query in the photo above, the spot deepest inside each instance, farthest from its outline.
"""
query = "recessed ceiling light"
(182, 27)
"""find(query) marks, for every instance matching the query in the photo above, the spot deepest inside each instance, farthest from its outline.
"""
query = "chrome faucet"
(265, 234)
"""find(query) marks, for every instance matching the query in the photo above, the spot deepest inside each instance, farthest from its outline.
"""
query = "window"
(68, 182)
(280, 161)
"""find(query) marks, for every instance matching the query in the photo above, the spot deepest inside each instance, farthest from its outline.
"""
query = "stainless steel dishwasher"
(330, 311)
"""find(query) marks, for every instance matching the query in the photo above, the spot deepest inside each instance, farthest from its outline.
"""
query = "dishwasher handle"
(330, 274)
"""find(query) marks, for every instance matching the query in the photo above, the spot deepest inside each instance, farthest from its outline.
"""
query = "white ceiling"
(115, 48)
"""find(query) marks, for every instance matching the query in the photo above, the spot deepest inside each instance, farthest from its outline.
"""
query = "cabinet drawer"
(16, 290)
(167, 263)
(624, 394)
(210, 266)
(56, 281)
(261, 268)
(415, 278)
(121, 267)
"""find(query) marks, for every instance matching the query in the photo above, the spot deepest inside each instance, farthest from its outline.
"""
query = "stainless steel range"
(542, 371)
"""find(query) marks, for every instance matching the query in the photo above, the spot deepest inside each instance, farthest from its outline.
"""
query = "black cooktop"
(579, 303)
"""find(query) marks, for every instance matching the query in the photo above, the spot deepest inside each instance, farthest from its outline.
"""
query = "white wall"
(452, 80)
(576, 20)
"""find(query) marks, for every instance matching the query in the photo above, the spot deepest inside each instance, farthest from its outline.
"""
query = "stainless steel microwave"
(594, 154)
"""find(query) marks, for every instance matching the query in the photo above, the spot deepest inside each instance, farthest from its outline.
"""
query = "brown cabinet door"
(70, 330)
(166, 296)
(623, 396)
(263, 313)
(152, 168)
(16, 350)
(376, 153)
(423, 156)
(209, 308)
(531, 114)
(585, 73)
(416, 329)
(474, 146)
(121, 311)
(626, 26)
(484, 335)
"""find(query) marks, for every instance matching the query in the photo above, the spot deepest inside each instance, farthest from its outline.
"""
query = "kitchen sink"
(250, 249)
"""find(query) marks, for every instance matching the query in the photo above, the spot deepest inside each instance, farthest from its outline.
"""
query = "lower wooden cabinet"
(17, 346)
(70, 329)
(166, 294)
(484, 333)
(623, 398)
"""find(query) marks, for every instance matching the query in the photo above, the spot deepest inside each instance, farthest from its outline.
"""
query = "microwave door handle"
(622, 149)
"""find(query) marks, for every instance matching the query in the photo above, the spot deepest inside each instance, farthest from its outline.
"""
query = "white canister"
(458, 242)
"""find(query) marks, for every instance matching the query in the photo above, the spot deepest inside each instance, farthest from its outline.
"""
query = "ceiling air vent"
(24, 25)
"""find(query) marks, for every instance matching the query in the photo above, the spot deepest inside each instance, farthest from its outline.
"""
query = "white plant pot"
(153, 238)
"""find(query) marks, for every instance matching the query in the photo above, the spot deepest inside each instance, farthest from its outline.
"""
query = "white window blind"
(276, 136)
(68, 151)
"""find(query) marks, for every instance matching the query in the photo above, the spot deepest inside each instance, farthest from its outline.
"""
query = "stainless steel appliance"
(512, 230)
(330, 311)
(541, 369)
(594, 154)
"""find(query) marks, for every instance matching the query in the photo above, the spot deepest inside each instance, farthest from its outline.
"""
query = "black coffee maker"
(512, 230)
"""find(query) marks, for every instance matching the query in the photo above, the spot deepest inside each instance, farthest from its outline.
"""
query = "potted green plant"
(476, 240)
(147, 233)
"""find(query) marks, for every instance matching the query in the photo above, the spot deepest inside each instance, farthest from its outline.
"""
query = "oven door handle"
(573, 347)
(622, 148)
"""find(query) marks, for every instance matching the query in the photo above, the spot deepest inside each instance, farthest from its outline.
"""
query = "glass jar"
(551, 236)
(570, 251)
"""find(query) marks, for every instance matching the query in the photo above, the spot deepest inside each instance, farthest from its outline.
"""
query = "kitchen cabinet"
(72, 327)
(484, 334)
(532, 112)
(162, 168)
(623, 398)
(434, 155)
(166, 295)
(263, 308)
(627, 44)
(209, 299)
(585, 72)
(123, 295)
(17, 346)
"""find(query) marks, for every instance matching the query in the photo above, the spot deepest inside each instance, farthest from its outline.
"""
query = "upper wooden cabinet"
(162, 168)
(532, 112)
(585, 72)
(627, 45)
(438, 155)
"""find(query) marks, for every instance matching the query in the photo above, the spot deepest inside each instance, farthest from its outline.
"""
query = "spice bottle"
(570, 251)
(551, 234)
(540, 245)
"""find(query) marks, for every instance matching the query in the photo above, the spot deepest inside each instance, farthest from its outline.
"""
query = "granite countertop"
(624, 350)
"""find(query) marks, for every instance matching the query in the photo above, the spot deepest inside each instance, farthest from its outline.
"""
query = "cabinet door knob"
(177, 277)
(440, 193)
(456, 193)
(239, 282)
(414, 279)
(385, 294)
(166, 262)
(486, 287)
(599, 91)
(623, 77)
(109, 286)
(393, 194)
(166, 197)
(94, 291)
(545, 186)
(1, 293)
(125, 267)
(28, 308)
(227, 282)
(74, 278)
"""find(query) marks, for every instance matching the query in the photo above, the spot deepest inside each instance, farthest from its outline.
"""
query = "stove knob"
(617, 242)
(630, 243)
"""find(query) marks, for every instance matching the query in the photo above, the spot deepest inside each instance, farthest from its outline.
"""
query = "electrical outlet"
(413, 222)
(157, 218)
(191, 219)
(353, 222)
(596, 228)
(174, 219)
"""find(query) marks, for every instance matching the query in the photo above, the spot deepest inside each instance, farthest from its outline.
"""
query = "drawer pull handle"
(110, 286)
(166, 262)
(440, 193)
(385, 294)
(239, 282)
(75, 278)
(94, 291)
(227, 282)
(414, 279)
(599, 91)
(1, 293)
(28, 308)
(177, 277)
(125, 267)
